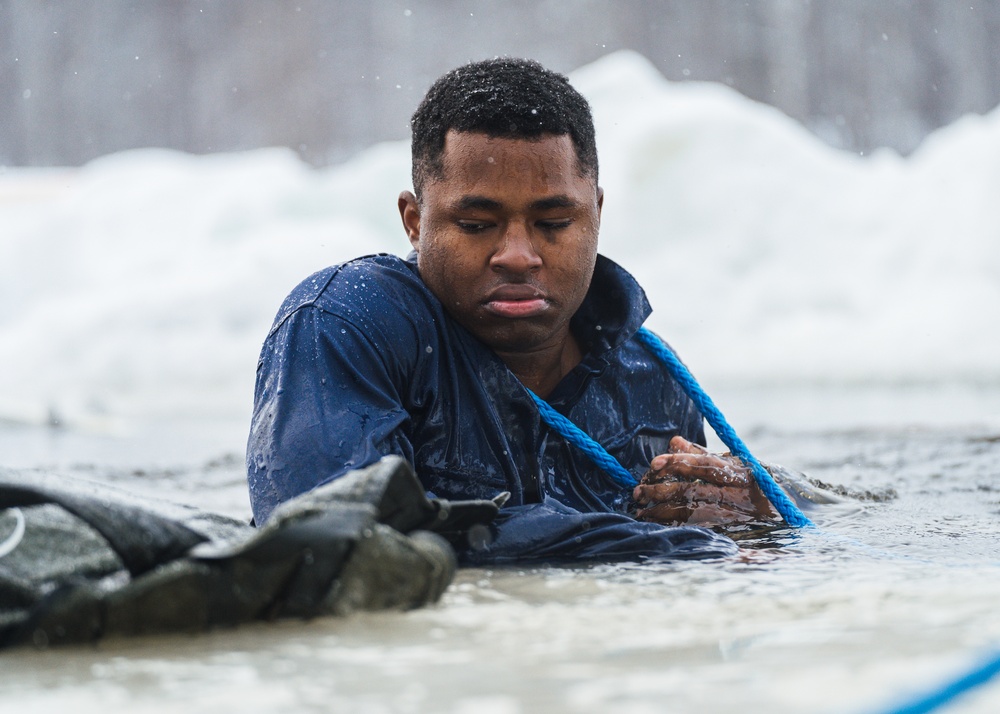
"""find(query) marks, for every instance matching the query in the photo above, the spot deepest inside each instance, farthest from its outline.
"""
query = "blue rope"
(778, 498)
(794, 517)
(979, 675)
(582, 440)
(597, 454)
(784, 505)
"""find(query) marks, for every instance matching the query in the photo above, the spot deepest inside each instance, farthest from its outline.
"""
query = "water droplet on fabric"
(479, 537)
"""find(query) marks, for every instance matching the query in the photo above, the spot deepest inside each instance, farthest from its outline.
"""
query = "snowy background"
(140, 286)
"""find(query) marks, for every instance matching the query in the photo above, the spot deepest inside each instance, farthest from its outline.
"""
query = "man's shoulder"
(357, 286)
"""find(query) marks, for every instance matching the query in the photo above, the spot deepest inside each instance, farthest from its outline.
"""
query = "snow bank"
(142, 285)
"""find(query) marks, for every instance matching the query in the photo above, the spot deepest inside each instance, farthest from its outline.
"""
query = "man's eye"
(554, 225)
(473, 226)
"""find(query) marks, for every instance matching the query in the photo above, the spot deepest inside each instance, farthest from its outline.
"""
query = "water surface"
(895, 591)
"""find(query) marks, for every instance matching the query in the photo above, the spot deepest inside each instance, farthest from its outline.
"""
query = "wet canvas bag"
(79, 562)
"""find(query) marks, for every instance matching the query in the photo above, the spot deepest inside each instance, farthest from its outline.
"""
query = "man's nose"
(516, 253)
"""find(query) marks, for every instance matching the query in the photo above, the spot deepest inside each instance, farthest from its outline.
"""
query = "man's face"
(507, 239)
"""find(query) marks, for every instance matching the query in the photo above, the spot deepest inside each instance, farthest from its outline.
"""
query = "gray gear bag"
(82, 562)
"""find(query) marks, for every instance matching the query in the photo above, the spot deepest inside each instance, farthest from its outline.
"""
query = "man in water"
(433, 357)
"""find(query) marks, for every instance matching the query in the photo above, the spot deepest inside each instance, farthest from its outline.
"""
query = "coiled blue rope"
(574, 435)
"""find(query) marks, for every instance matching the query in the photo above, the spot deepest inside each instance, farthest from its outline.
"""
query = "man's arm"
(325, 402)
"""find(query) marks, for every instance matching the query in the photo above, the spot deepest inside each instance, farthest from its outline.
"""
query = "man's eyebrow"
(466, 203)
(482, 203)
(560, 201)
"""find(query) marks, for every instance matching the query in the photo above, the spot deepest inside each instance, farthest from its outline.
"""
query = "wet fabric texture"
(363, 361)
(78, 564)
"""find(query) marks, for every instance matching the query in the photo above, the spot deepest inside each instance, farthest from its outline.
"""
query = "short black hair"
(503, 98)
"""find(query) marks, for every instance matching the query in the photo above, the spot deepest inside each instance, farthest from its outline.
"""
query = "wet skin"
(690, 485)
(507, 239)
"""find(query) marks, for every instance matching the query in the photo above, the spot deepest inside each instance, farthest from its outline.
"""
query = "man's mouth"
(515, 301)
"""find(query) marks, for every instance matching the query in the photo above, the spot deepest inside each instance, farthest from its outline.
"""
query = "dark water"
(895, 591)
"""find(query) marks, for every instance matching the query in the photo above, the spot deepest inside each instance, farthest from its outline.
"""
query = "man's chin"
(515, 335)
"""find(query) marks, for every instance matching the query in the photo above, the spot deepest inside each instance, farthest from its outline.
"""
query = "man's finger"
(691, 467)
(701, 515)
(680, 445)
(692, 494)
(664, 514)
(659, 492)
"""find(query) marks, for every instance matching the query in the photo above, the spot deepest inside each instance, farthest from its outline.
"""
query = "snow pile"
(769, 256)
(144, 285)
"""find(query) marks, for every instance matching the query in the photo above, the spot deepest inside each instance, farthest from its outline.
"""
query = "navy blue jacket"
(363, 361)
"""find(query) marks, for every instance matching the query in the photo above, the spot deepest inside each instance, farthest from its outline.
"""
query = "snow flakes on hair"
(503, 98)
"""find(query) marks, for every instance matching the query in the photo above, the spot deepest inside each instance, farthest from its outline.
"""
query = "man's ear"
(600, 201)
(409, 211)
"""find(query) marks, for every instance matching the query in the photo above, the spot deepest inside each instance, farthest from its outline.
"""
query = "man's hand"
(689, 485)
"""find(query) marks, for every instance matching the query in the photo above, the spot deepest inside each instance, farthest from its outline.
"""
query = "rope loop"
(609, 464)
(931, 701)
(778, 498)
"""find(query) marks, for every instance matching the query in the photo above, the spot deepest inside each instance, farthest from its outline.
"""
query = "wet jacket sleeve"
(552, 532)
(325, 402)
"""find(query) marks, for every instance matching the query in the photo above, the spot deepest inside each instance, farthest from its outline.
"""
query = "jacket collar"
(612, 311)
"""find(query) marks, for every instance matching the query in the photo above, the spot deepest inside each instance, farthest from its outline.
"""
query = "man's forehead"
(473, 151)
(455, 137)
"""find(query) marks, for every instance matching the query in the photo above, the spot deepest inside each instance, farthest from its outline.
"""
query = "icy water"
(896, 590)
